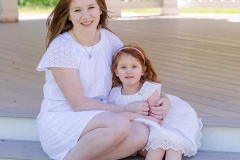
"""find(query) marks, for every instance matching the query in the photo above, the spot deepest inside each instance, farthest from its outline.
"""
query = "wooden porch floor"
(197, 60)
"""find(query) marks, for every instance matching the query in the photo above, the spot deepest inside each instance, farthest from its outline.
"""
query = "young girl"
(134, 79)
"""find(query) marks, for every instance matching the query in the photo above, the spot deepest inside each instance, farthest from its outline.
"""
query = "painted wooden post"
(170, 7)
(114, 8)
(8, 10)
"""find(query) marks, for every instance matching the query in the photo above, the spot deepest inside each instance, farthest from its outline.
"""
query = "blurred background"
(46, 6)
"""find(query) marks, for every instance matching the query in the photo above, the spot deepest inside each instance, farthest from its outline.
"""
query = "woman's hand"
(161, 108)
(138, 107)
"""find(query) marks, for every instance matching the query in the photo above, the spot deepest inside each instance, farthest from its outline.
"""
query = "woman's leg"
(172, 154)
(101, 136)
(136, 140)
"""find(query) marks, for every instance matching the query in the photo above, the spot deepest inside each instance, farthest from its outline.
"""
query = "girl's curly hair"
(132, 49)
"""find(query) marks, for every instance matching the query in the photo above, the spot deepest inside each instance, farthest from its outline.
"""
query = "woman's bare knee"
(117, 125)
(141, 133)
(121, 127)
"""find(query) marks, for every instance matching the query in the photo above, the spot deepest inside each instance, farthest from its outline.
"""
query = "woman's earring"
(69, 19)
(117, 75)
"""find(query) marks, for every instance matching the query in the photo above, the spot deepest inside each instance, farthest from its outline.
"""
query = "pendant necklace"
(89, 54)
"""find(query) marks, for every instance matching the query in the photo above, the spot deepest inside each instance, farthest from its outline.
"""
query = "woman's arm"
(69, 82)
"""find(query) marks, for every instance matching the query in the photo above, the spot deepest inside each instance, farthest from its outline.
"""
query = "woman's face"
(85, 15)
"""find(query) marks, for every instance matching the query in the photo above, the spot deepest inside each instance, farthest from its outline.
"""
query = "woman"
(75, 121)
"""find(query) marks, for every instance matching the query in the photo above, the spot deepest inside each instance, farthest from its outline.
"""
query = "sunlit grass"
(35, 9)
(143, 10)
(40, 10)
(211, 10)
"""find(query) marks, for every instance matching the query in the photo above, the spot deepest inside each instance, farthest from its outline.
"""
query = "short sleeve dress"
(181, 129)
(59, 127)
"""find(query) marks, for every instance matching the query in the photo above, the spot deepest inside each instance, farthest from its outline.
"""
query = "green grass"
(143, 10)
(40, 10)
(188, 10)
(35, 9)
(211, 10)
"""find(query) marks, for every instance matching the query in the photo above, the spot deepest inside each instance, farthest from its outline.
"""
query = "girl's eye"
(91, 7)
(134, 66)
(77, 10)
(123, 67)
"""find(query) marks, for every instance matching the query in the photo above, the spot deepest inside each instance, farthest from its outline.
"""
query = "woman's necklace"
(89, 54)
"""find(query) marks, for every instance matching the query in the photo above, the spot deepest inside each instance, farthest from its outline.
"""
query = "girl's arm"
(153, 98)
(160, 107)
(69, 82)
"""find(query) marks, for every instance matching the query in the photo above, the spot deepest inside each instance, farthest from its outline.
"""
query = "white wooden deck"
(197, 60)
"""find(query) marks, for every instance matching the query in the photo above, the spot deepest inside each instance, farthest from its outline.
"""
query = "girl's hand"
(161, 108)
(138, 107)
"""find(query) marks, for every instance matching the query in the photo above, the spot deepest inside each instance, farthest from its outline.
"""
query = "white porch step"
(22, 150)
(31, 150)
(216, 137)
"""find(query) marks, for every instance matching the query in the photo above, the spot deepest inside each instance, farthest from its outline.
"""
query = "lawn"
(142, 10)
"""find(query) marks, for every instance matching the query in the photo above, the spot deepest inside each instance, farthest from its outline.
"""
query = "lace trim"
(183, 146)
(199, 133)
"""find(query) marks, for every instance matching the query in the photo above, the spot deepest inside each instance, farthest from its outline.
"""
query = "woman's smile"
(87, 24)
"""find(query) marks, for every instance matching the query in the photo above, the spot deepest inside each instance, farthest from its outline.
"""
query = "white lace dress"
(59, 127)
(180, 131)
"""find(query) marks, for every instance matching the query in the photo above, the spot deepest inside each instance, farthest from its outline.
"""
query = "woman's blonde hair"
(135, 51)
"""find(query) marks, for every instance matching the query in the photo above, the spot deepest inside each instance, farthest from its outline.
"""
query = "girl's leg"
(172, 154)
(155, 154)
(105, 132)
(143, 153)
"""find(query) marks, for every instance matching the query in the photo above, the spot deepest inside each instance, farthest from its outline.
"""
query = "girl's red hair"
(132, 49)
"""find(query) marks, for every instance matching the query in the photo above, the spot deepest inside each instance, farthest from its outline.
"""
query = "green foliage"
(39, 3)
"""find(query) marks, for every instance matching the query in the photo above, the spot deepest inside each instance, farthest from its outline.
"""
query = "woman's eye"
(77, 10)
(91, 7)
(134, 66)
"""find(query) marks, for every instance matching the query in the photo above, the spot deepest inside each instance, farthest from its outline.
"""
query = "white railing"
(141, 3)
(209, 3)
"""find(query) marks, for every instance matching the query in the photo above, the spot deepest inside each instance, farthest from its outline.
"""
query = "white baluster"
(8, 10)
(170, 7)
(115, 8)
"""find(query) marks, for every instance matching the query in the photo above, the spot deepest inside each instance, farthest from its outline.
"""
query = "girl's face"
(129, 70)
(85, 15)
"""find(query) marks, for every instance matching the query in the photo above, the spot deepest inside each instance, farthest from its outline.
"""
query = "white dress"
(59, 127)
(181, 129)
